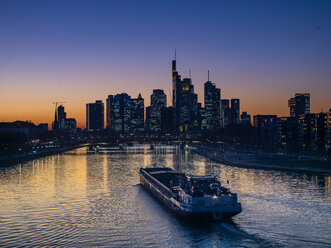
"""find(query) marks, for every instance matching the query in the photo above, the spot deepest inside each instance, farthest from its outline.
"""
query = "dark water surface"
(81, 199)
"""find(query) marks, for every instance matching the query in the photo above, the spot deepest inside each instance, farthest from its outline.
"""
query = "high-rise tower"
(95, 116)
(212, 105)
(299, 105)
(184, 100)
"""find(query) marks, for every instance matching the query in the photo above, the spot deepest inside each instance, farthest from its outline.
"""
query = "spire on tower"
(208, 75)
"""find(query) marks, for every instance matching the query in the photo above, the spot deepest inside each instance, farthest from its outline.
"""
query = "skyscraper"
(119, 112)
(235, 111)
(109, 110)
(245, 118)
(184, 100)
(225, 112)
(137, 114)
(62, 115)
(167, 119)
(212, 105)
(299, 105)
(158, 101)
(125, 114)
(328, 134)
(95, 116)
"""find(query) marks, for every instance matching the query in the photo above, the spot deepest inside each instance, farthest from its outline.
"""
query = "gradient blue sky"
(262, 52)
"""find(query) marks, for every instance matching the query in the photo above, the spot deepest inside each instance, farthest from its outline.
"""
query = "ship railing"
(160, 186)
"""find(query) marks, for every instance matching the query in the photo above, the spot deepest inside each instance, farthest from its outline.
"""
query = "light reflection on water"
(86, 199)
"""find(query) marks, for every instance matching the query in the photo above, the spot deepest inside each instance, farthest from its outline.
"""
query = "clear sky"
(262, 52)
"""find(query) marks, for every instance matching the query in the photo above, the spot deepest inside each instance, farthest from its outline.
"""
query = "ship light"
(214, 197)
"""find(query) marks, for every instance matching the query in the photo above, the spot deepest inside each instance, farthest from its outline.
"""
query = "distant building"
(225, 112)
(137, 114)
(95, 116)
(184, 99)
(204, 119)
(268, 130)
(212, 105)
(245, 118)
(299, 105)
(312, 129)
(62, 115)
(119, 112)
(62, 123)
(158, 101)
(321, 141)
(328, 137)
(70, 125)
(109, 110)
(148, 117)
(167, 119)
(27, 128)
(235, 111)
(199, 117)
(289, 133)
(125, 114)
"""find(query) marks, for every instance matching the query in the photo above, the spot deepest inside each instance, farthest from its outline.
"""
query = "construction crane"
(56, 103)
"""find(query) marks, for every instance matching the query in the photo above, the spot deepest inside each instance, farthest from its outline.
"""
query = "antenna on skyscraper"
(175, 53)
(208, 75)
(189, 72)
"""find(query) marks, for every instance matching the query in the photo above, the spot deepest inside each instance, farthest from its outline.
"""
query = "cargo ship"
(190, 196)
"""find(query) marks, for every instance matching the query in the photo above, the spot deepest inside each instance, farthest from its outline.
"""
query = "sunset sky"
(262, 52)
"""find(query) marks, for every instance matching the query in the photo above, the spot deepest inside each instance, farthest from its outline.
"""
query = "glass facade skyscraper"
(212, 106)
(235, 111)
(299, 105)
(225, 112)
(184, 99)
(95, 116)
(137, 114)
(158, 101)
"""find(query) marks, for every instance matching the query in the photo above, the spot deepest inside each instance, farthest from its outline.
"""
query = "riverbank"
(19, 158)
(251, 161)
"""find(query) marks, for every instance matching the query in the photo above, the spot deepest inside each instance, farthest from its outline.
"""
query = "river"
(85, 199)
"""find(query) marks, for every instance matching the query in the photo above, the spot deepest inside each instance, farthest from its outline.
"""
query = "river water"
(83, 199)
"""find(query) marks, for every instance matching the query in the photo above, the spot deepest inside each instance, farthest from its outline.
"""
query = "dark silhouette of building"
(70, 125)
(62, 115)
(148, 117)
(313, 131)
(158, 101)
(212, 105)
(167, 119)
(268, 131)
(235, 111)
(225, 112)
(299, 105)
(109, 110)
(26, 128)
(289, 130)
(245, 118)
(62, 123)
(321, 141)
(95, 116)
(328, 135)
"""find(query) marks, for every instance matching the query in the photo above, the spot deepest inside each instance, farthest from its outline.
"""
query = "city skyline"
(259, 56)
